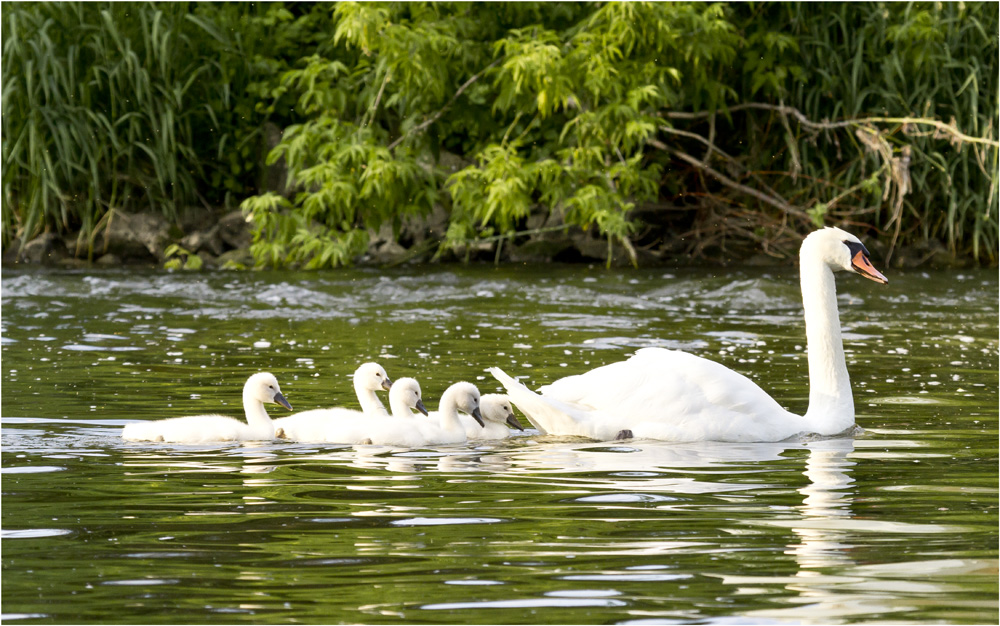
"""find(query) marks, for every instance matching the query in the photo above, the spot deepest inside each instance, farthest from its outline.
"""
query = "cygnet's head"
(406, 392)
(496, 408)
(371, 377)
(263, 387)
(841, 251)
(466, 398)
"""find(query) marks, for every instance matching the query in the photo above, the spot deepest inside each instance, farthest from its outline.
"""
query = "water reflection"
(829, 584)
(896, 524)
(828, 498)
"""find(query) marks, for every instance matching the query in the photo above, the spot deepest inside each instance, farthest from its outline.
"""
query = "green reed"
(109, 106)
(861, 60)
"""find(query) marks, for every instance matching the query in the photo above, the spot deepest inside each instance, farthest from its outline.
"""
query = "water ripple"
(531, 603)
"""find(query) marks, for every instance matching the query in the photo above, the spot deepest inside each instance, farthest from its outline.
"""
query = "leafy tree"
(595, 113)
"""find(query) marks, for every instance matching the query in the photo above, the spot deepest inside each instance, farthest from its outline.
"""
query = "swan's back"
(316, 425)
(191, 429)
(675, 396)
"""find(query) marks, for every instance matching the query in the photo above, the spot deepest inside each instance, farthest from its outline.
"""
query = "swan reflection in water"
(827, 498)
(829, 584)
(820, 533)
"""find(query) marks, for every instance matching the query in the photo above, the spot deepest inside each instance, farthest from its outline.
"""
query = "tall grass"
(896, 60)
(106, 106)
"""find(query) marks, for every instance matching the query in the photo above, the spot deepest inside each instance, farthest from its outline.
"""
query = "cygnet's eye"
(271, 387)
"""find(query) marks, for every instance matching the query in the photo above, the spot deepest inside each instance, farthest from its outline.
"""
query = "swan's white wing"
(657, 383)
(552, 415)
(391, 431)
(668, 395)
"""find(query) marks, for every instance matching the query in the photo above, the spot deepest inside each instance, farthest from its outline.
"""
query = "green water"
(896, 524)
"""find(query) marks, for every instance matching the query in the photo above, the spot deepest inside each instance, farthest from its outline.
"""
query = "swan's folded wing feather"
(675, 389)
(549, 415)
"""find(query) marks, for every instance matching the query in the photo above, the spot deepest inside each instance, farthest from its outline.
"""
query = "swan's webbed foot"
(159, 438)
(366, 442)
(623, 434)
(280, 434)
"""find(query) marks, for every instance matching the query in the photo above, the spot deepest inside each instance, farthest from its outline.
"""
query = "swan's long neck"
(258, 419)
(448, 413)
(399, 407)
(370, 404)
(831, 405)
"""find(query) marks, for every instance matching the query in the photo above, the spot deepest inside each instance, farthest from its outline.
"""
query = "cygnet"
(259, 388)
(311, 425)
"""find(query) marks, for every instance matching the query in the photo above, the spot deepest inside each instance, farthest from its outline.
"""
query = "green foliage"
(597, 114)
(579, 96)
(180, 258)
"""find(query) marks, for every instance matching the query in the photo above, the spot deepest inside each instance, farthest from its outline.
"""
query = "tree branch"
(951, 129)
(722, 178)
(708, 142)
(712, 148)
(423, 125)
(378, 98)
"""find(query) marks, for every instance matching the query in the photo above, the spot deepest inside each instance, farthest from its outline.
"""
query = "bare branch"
(722, 178)
(708, 142)
(951, 129)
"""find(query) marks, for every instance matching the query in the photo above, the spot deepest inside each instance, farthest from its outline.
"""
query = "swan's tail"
(549, 416)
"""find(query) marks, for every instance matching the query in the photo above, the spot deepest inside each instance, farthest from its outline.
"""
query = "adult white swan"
(311, 425)
(259, 388)
(675, 396)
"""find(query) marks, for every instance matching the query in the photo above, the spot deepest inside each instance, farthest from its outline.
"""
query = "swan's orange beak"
(863, 266)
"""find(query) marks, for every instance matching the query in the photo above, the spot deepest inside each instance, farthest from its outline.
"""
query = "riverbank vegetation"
(633, 131)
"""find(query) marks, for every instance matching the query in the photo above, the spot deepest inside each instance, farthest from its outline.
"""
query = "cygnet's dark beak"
(478, 416)
(420, 406)
(280, 399)
(513, 423)
(386, 383)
